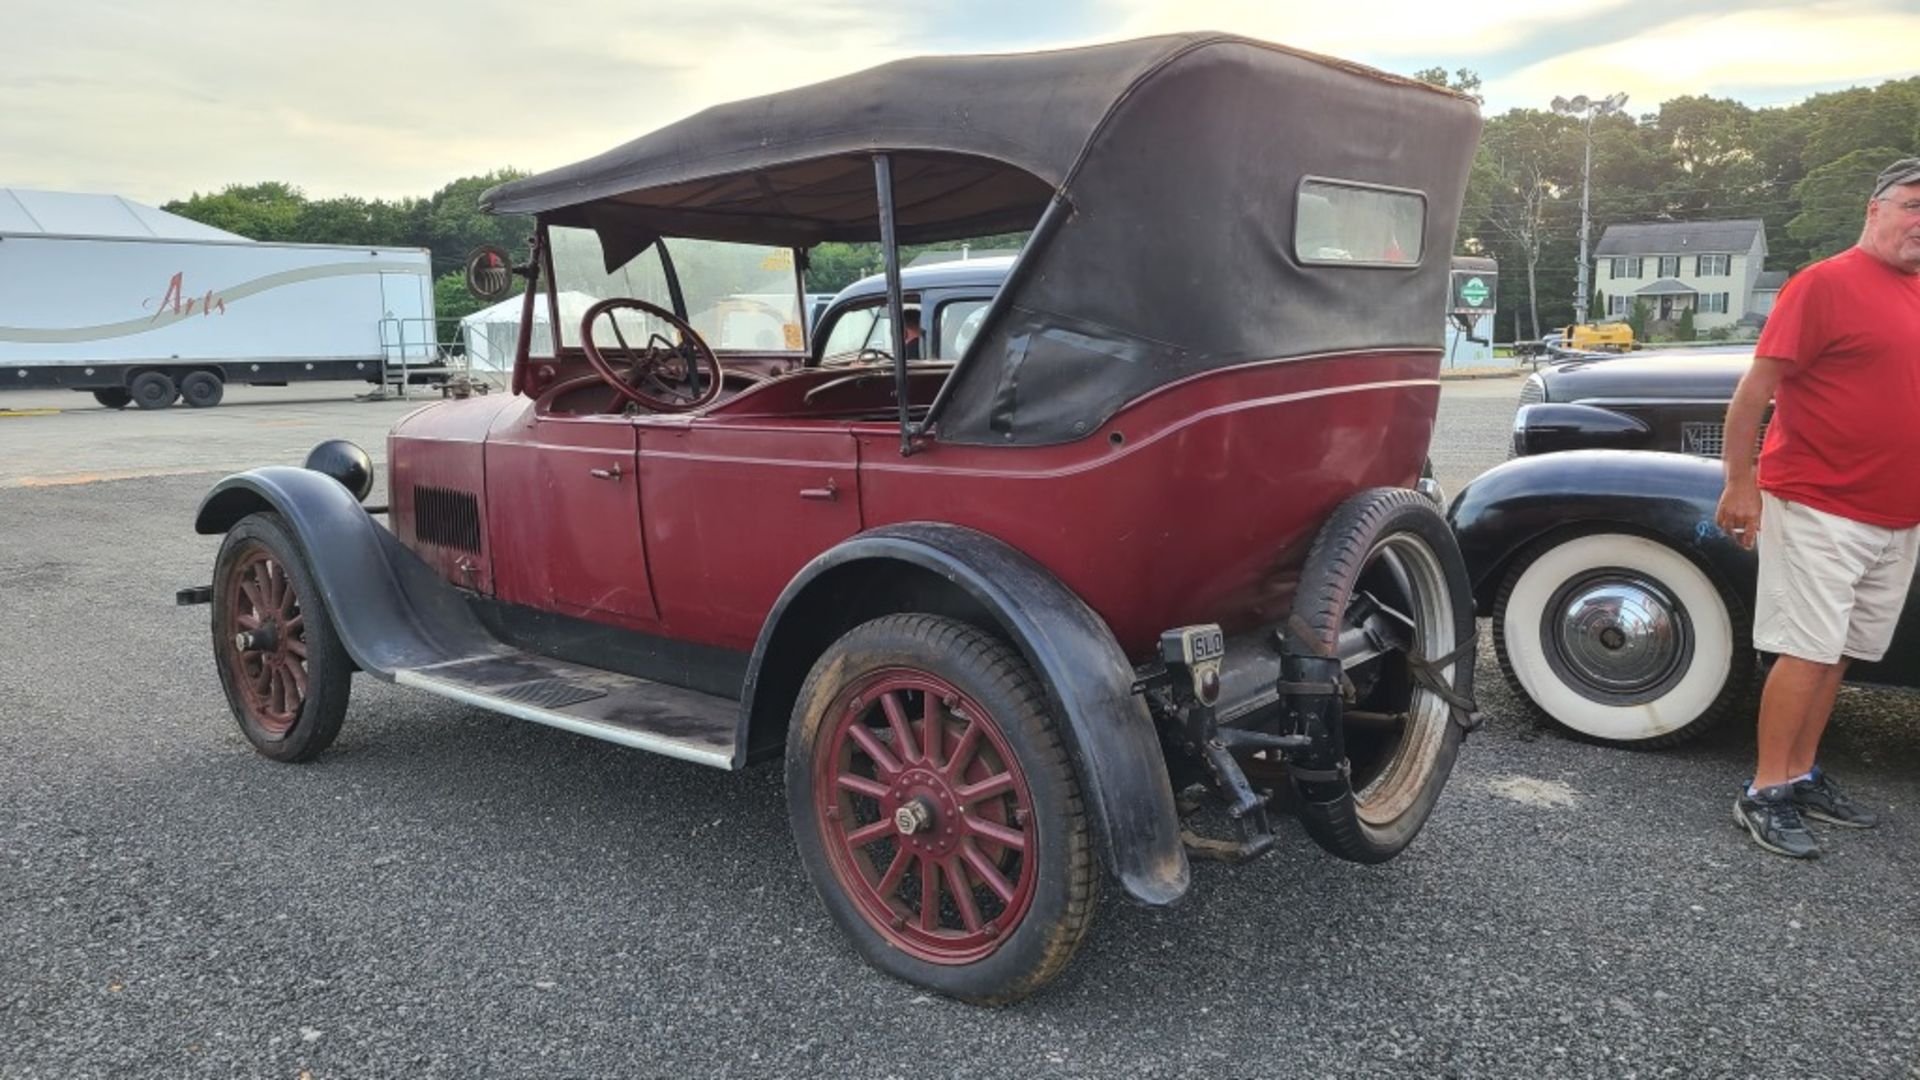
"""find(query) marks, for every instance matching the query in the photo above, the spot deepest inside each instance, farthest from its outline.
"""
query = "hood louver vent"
(447, 518)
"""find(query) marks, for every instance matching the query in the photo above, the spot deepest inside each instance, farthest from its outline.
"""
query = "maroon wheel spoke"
(867, 834)
(294, 626)
(297, 673)
(255, 596)
(903, 740)
(247, 620)
(882, 760)
(295, 647)
(962, 892)
(933, 730)
(997, 784)
(902, 859)
(999, 834)
(989, 874)
(929, 894)
(963, 751)
(860, 785)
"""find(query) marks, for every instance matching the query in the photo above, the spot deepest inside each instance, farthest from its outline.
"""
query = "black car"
(1620, 611)
(948, 298)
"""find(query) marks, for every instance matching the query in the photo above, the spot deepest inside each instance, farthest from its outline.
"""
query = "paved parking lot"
(450, 893)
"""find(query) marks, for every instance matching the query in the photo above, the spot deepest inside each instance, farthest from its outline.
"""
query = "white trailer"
(151, 319)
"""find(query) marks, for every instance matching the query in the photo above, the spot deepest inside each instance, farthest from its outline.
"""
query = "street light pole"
(1588, 109)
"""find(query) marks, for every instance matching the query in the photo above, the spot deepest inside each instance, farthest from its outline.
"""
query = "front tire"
(284, 670)
(936, 811)
(1622, 640)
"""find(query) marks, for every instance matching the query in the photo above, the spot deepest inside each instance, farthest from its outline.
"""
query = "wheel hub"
(1618, 636)
(926, 812)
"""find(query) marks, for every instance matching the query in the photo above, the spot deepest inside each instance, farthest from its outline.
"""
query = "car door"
(566, 525)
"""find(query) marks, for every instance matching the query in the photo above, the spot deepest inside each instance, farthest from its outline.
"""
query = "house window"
(1617, 305)
(1713, 303)
(1624, 268)
(1669, 266)
(1713, 266)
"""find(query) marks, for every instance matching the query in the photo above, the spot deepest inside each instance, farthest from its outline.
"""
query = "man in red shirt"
(1835, 505)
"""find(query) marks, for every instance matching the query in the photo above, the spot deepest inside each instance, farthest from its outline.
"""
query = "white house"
(1713, 268)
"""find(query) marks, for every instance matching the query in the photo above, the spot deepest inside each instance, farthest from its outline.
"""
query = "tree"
(1638, 318)
(1833, 201)
(1686, 331)
(1463, 80)
(266, 211)
(1597, 310)
(455, 224)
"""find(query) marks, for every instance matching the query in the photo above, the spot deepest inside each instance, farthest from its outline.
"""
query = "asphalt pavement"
(452, 893)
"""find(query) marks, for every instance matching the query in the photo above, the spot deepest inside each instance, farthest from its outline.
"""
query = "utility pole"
(1588, 109)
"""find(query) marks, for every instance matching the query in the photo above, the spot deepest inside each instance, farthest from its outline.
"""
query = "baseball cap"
(1904, 171)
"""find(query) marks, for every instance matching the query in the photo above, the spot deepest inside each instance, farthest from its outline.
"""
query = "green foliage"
(265, 211)
(1720, 333)
(1833, 201)
(1638, 318)
(1463, 80)
(452, 301)
(1686, 331)
(1597, 308)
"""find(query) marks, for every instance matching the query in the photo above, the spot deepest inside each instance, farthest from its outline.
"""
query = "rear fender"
(390, 609)
(1087, 678)
(1669, 497)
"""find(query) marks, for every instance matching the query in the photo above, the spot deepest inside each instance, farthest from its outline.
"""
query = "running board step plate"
(646, 715)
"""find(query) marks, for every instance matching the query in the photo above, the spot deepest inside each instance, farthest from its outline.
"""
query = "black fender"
(1088, 679)
(1671, 497)
(391, 610)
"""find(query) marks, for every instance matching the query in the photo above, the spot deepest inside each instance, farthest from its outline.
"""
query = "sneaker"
(1819, 798)
(1774, 822)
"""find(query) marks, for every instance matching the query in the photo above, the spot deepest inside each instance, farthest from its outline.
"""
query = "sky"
(157, 99)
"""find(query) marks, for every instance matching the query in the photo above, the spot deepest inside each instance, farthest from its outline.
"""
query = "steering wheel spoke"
(662, 375)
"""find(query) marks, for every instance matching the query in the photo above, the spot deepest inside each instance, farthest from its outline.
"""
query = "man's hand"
(1739, 511)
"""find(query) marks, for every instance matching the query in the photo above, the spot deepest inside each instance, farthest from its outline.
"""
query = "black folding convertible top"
(1180, 159)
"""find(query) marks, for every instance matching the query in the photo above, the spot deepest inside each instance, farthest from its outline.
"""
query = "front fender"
(1088, 681)
(1669, 496)
(390, 609)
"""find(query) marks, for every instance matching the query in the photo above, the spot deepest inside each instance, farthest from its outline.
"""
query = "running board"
(623, 709)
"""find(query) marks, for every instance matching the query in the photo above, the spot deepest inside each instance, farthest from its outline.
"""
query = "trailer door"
(406, 328)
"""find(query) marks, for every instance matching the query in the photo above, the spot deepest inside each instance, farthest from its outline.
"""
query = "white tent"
(491, 333)
(25, 212)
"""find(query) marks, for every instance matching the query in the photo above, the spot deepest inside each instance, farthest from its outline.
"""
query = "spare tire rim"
(926, 816)
(267, 647)
(1391, 771)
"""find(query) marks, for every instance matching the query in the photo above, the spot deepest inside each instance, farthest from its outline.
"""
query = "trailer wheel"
(936, 810)
(113, 397)
(202, 389)
(1400, 736)
(153, 390)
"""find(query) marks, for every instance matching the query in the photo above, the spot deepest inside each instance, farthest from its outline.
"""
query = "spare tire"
(1403, 712)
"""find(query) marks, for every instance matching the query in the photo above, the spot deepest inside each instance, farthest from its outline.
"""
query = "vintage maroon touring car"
(1152, 531)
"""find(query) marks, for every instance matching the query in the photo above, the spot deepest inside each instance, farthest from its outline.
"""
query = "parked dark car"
(948, 299)
(1620, 611)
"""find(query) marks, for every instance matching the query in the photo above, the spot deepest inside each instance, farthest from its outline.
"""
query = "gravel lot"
(450, 893)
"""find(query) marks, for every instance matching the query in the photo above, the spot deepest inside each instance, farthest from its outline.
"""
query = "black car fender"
(1670, 497)
(390, 609)
(1087, 677)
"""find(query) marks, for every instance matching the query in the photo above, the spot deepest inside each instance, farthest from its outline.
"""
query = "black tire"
(327, 670)
(153, 390)
(202, 389)
(113, 397)
(1059, 883)
(1389, 542)
(1685, 679)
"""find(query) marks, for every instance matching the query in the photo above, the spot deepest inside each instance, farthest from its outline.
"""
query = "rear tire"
(113, 397)
(153, 390)
(1393, 544)
(288, 684)
(982, 897)
(202, 389)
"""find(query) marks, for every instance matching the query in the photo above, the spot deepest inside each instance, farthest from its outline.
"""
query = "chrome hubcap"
(1620, 636)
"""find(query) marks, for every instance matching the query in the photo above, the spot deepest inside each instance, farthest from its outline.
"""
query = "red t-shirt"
(1845, 434)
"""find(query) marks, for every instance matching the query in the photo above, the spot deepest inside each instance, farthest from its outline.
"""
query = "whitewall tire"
(1622, 639)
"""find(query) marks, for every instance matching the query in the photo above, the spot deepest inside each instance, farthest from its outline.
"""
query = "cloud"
(1764, 57)
(1377, 31)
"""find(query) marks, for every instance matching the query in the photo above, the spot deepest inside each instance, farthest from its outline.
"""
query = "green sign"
(1474, 291)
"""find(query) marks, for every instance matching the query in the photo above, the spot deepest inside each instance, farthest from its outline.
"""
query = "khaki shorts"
(1829, 586)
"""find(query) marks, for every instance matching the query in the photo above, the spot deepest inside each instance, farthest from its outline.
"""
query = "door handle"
(830, 493)
(605, 474)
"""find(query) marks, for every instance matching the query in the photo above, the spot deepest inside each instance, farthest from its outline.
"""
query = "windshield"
(739, 297)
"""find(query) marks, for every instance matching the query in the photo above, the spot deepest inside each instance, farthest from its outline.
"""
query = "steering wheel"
(662, 375)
